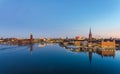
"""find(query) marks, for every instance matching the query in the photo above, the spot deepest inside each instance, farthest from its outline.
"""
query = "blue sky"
(59, 18)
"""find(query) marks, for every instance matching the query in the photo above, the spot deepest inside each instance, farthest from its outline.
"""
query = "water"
(36, 59)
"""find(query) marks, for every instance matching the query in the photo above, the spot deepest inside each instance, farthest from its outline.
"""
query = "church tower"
(90, 38)
(31, 39)
(31, 36)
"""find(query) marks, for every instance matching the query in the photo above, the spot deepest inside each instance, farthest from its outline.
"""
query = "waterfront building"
(79, 38)
(108, 44)
(77, 43)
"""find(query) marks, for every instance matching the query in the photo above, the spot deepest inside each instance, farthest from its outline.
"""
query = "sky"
(59, 18)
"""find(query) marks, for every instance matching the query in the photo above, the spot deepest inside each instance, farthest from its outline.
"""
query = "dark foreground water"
(51, 59)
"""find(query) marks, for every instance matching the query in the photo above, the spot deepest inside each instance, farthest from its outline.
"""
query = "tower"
(90, 38)
(31, 38)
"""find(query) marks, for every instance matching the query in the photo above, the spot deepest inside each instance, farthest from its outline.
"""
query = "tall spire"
(90, 31)
(90, 35)
(90, 38)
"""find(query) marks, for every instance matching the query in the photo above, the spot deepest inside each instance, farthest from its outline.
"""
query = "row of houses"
(16, 41)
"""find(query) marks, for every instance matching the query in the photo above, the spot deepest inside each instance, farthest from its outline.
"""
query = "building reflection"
(42, 44)
(90, 56)
(31, 48)
(104, 52)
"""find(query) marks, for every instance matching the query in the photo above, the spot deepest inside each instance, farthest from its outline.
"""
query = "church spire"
(90, 31)
(90, 38)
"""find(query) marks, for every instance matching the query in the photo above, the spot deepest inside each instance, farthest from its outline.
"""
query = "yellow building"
(77, 43)
(108, 44)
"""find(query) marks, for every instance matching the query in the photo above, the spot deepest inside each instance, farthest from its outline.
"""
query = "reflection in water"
(100, 51)
(41, 44)
(31, 48)
(108, 52)
(53, 59)
(7, 48)
(90, 56)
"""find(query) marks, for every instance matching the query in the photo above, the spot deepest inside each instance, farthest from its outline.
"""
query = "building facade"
(108, 44)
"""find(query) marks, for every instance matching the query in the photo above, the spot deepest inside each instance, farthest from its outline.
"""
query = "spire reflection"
(31, 48)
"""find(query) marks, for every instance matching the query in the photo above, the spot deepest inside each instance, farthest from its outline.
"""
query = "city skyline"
(59, 18)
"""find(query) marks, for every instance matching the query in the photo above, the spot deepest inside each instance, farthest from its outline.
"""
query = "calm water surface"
(32, 59)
